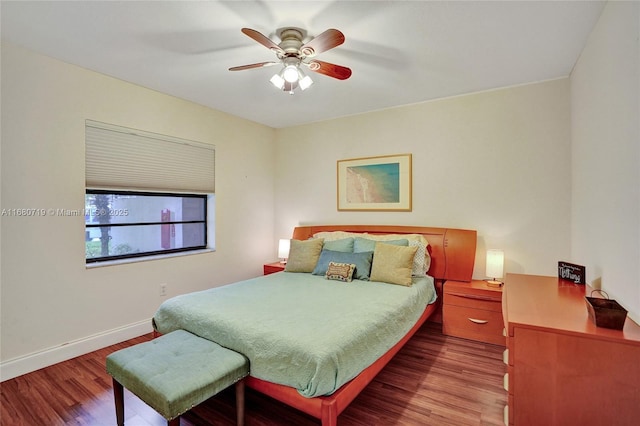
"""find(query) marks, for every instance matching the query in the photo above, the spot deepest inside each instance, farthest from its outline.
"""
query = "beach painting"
(375, 183)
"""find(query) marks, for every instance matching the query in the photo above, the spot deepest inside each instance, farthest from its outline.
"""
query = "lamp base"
(494, 283)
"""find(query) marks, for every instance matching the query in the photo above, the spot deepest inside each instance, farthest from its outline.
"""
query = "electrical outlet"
(163, 289)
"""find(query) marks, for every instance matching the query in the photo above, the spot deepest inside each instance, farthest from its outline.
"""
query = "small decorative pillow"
(361, 260)
(303, 255)
(340, 271)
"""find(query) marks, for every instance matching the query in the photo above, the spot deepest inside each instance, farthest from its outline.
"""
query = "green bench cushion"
(177, 371)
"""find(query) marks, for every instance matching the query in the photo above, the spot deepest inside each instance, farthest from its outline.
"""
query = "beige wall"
(498, 162)
(605, 93)
(49, 298)
(546, 171)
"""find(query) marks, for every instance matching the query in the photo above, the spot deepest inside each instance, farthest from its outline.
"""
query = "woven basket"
(606, 313)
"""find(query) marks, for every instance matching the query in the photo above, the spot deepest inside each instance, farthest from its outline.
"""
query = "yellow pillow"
(303, 255)
(393, 264)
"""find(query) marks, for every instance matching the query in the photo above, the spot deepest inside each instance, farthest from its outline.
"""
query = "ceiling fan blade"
(262, 39)
(331, 70)
(323, 42)
(250, 66)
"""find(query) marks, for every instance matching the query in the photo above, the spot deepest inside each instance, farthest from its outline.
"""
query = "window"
(147, 194)
(121, 224)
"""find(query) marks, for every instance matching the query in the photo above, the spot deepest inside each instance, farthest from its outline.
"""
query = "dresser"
(561, 368)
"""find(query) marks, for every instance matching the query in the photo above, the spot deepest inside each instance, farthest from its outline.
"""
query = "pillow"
(411, 237)
(336, 235)
(344, 245)
(303, 255)
(340, 271)
(427, 259)
(418, 269)
(393, 264)
(364, 244)
(361, 260)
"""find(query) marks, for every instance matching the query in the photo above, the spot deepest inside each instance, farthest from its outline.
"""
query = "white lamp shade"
(290, 73)
(305, 82)
(283, 248)
(495, 263)
(277, 81)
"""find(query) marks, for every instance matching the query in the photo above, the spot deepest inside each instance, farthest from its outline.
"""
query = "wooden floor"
(434, 380)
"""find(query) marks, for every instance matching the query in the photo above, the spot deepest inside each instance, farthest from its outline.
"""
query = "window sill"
(146, 258)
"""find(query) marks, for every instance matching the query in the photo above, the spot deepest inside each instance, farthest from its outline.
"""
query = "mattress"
(301, 330)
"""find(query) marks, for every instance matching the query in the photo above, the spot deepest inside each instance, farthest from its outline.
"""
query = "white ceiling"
(400, 52)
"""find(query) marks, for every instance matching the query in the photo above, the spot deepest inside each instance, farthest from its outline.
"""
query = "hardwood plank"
(433, 380)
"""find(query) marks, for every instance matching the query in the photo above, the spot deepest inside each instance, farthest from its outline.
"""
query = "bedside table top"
(271, 268)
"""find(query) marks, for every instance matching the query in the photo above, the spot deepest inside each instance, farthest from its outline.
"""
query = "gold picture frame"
(380, 183)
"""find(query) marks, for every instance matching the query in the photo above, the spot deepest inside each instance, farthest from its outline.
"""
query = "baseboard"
(37, 360)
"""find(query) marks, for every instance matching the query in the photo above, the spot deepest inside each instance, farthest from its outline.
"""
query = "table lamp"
(495, 267)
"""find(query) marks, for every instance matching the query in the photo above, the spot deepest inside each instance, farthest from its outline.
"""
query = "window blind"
(122, 158)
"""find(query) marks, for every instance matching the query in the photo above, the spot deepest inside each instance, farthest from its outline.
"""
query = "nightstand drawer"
(475, 324)
(471, 300)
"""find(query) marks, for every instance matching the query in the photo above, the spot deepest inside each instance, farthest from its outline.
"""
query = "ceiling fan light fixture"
(305, 82)
(290, 77)
(295, 50)
(291, 73)
(289, 87)
(277, 81)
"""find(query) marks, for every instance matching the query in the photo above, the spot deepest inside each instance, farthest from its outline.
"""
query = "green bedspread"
(298, 329)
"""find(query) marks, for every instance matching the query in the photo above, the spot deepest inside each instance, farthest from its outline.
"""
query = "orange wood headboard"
(452, 251)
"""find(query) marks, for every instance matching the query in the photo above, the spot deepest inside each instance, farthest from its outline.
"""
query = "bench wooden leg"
(118, 396)
(240, 403)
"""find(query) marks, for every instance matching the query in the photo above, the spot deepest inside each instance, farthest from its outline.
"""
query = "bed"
(314, 343)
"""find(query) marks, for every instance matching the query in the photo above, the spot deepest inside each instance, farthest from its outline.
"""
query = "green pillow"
(344, 245)
(364, 244)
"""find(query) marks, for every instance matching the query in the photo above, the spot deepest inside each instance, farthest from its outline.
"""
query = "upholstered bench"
(175, 372)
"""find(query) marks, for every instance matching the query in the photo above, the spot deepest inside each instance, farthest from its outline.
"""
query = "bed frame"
(452, 257)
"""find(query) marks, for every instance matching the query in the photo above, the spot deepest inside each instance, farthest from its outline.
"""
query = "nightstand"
(473, 310)
(271, 268)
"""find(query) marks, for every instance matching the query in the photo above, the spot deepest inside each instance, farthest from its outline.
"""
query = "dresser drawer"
(475, 324)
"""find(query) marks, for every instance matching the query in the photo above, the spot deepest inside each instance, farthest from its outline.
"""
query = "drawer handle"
(477, 321)
(506, 414)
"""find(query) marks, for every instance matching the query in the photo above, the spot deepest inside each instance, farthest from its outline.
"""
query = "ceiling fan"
(293, 53)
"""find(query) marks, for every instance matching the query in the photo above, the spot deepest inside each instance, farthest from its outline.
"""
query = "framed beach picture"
(375, 183)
